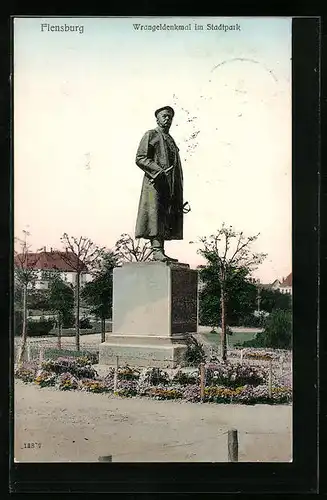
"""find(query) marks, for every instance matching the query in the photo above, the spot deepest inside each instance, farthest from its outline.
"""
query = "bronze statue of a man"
(161, 207)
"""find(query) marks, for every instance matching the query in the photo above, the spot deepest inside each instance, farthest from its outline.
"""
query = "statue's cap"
(164, 107)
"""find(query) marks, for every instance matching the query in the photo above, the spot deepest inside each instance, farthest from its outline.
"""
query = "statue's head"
(164, 117)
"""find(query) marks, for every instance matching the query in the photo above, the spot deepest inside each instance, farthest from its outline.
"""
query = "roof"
(55, 260)
(287, 282)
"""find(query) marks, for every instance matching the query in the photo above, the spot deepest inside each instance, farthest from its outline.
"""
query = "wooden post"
(232, 445)
(202, 376)
(103, 330)
(41, 354)
(107, 458)
(241, 356)
(116, 374)
(59, 331)
(270, 379)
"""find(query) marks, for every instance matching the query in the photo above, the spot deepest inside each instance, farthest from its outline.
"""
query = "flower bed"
(79, 367)
(164, 392)
(128, 373)
(66, 382)
(91, 385)
(234, 374)
(127, 388)
(225, 382)
(45, 378)
(26, 372)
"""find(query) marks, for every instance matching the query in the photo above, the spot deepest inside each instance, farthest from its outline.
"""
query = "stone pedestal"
(155, 305)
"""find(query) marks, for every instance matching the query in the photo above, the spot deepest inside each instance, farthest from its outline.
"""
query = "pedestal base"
(144, 351)
(155, 307)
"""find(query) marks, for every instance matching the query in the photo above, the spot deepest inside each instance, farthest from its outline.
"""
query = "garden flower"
(67, 381)
(44, 378)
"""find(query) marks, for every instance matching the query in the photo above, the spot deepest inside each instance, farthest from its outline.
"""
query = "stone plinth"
(155, 305)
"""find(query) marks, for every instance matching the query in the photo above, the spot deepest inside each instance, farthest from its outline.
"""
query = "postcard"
(153, 239)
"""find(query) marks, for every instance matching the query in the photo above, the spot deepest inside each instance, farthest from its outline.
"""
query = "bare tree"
(129, 250)
(25, 276)
(82, 255)
(229, 253)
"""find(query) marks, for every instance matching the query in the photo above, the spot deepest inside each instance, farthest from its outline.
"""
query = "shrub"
(79, 367)
(195, 353)
(254, 321)
(85, 324)
(68, 320)
(277, 332)
(40, 327)
(67, 382)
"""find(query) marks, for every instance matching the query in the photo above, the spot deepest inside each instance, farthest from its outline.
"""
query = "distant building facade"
(286, 285)
(46, 262)
(282, 286)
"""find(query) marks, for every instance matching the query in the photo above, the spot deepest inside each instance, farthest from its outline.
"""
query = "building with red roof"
(286, 285)
(66, 263)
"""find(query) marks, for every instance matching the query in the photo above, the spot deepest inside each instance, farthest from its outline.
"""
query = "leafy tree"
(241, 302)
(60, 300)
(38, 299)
(98, 292)
(273, 299)
(82, 255)
(129, 250)
(25, 276)
(229, 257)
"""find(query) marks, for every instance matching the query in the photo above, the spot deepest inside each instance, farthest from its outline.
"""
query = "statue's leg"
(158, 249)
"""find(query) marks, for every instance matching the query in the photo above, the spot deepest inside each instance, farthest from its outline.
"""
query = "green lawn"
(236, 338)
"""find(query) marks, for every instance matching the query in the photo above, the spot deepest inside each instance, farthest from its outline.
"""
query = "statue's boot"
(158, 251)
(170, 259)
(158, 255)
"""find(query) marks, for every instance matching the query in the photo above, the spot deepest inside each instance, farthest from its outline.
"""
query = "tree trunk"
(59, 331)
(22, 347)
(223, 325)
(258, 301)
(103, 329)
(77, 315)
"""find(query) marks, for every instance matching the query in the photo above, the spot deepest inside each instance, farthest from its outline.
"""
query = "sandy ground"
(76, 426)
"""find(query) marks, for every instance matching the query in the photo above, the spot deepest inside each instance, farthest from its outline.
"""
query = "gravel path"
(77, 426)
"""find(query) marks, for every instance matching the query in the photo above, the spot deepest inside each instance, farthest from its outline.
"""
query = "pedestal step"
(136, 354)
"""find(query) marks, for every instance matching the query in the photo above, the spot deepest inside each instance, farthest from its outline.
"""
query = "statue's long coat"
(160, 212)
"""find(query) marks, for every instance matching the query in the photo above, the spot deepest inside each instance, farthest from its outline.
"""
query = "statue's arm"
(144, 157)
